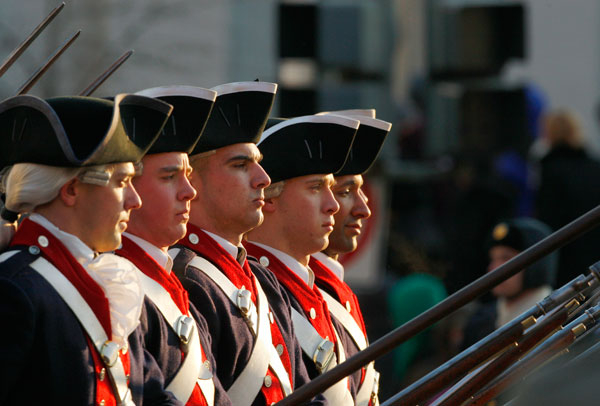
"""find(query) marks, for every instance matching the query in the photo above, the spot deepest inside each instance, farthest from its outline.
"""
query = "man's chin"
(110, 244)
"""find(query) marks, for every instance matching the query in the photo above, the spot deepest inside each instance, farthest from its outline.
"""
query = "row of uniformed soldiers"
(225, 288)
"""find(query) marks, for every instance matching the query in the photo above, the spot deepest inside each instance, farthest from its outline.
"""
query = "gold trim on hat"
(500, 231)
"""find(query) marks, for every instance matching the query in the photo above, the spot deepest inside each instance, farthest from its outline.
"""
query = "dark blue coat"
(44, 355)
(164, 345)
(232, 340)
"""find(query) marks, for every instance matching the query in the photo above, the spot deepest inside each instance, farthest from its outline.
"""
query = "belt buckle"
(184, 327)
(323, 355)
(244, 301)
(109, 353)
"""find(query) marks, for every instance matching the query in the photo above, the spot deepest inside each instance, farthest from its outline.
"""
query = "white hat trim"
(238, 87)
(325, 119)
(180, 90)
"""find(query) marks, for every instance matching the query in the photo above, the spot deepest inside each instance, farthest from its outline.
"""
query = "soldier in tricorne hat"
(174, 332)
(259, 360)
(71, 314)
(329, 273)
(300, 156)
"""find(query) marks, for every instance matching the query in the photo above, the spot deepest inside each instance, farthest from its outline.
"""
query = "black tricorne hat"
(191, 109)
(520, 234)
(78, 131)
(306, 145)
(367, 144)
(238, 116)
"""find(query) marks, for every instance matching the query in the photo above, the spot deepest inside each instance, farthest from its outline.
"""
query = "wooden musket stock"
(458, 366)
(25, 44)
(552, 346)
(386, 343)
(549, 324)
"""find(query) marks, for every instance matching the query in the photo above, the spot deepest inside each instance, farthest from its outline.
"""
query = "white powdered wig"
(27, 186)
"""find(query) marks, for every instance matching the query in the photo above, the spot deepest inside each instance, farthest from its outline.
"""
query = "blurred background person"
(519, 292)
(569, 187)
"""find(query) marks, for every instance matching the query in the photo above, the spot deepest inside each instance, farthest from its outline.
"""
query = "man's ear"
(69, 192)
(270, 205)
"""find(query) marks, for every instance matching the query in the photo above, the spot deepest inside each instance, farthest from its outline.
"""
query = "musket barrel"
(386, 343)
(10, 59)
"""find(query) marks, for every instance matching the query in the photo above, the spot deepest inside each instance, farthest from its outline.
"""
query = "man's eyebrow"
(348, 183)
(316, 181)
(124, 173)
(248, 158)
(171, 168)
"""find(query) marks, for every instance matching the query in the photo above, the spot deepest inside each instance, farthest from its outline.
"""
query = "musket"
(106, 74)
(25, 87)
(553, 346)
(453, 302)
(459, 365)
(458, 394)
(25, 44)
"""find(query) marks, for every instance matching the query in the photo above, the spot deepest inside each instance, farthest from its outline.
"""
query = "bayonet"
(106, 74)
(25, 44)
(25, 87)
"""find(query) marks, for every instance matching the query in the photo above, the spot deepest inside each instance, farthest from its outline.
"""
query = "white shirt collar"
(304, 272)
(331, 264)
(115, 275)
(227, 246)
(156, 253)
(507, 312)
(82, 253)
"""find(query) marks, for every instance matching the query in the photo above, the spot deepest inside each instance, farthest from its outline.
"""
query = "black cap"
(306, 145)
(367, 144)
(238, 116)
(520, 234)
(79, 131)
(191, 109)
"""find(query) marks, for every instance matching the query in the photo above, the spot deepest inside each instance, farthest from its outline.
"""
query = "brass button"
(102, 402)
(279, 349)
(313, 313)
(194, 238)
(268, 381)
(264, 261)
(33, 250)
